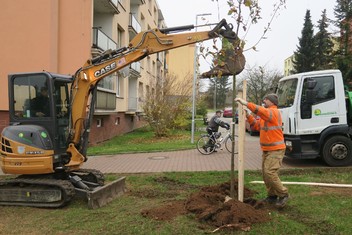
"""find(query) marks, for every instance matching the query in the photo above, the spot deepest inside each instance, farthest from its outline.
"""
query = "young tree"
(235, 58)
(324, 45)
(305, 55)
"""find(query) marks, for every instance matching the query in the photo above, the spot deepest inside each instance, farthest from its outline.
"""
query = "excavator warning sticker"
(121, 61)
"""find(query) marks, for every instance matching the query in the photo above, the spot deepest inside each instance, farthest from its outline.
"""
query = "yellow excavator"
(45, 149)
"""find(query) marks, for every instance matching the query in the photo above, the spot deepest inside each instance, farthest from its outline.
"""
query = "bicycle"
(206, 144)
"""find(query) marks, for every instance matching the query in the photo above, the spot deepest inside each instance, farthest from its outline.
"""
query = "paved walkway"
(187, 160)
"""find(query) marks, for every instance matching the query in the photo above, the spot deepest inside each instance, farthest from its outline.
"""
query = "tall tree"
(324, 45)
(343, 14)
(260, 82)
(219, 87)
(305, 55)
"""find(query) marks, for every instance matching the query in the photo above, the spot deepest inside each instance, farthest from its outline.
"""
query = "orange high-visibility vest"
(269, 126)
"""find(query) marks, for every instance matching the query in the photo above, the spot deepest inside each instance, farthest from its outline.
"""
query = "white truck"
(317, 116)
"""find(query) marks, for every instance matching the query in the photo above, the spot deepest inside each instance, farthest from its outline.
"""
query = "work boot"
(281, 202)
(270, 199)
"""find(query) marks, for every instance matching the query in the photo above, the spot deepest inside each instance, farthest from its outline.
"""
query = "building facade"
(60, 35)
(288, 65)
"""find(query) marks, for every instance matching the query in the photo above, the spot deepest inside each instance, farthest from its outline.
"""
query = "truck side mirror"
(310, 93)
(310, 96)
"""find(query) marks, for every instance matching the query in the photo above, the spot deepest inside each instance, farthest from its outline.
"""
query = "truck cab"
(313, 107)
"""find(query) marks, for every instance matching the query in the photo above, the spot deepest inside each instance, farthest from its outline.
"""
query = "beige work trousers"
(271, 164)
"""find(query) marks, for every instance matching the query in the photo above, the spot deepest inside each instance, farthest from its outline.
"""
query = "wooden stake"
(241, 139)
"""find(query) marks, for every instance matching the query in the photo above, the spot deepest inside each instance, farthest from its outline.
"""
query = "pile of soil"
(212, 205)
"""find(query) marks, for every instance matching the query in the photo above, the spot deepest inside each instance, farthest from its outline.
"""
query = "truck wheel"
(337, 151)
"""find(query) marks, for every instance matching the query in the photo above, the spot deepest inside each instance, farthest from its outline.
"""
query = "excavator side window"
(61, 97)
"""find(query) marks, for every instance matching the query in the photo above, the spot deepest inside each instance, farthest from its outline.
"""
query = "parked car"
(227, 113)
(250, 129)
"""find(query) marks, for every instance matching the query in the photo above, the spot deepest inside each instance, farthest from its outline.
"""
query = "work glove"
(227, 126)
(247, 111)
(241, 101)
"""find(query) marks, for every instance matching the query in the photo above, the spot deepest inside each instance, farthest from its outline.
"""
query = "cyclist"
(213, 127)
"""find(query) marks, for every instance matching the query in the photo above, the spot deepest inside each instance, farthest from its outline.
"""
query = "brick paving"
(186, 160)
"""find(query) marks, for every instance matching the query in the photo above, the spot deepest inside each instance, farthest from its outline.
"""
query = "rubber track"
(67, 191)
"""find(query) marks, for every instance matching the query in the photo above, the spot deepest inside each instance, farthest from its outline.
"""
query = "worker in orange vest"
(272, 144)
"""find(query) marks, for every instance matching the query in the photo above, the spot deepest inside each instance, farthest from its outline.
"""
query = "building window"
(117, 121)
(120, 36)
(118, 86)
(99, 122)
(108, 82)
(140, 90)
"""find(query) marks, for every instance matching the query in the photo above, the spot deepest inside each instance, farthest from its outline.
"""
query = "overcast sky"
(282, 39)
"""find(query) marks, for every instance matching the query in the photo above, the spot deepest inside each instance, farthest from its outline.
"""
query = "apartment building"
(180, 63)
(288, 65)
(60, 35)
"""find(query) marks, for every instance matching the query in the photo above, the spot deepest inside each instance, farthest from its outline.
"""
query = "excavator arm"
(144, 44)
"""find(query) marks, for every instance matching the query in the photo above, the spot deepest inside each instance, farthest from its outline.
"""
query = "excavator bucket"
(232, 61)
(102, 195)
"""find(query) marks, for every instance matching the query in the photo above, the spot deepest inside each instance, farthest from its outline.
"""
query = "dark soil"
(209, 206)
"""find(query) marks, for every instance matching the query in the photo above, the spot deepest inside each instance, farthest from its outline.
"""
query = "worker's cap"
(273, 98)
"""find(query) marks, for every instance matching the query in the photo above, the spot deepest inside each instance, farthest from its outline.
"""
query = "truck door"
(319, 107)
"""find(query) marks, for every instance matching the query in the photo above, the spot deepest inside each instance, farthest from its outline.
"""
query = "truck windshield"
(286, 92)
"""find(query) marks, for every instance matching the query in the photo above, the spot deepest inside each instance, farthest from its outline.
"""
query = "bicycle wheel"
(228, 144)
(205, 145)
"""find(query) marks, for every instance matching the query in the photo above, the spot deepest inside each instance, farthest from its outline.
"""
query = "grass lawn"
(143, 140)
(159, 203)
(310, 210)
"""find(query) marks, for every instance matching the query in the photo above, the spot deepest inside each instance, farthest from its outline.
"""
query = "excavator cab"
(38, 108)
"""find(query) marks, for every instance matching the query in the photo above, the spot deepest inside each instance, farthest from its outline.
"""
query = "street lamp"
(195, 75)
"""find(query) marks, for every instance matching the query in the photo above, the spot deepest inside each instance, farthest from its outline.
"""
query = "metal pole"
(195, 75)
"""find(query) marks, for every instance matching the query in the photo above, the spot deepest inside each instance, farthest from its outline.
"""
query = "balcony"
(134, 105)
(101, 42)
(135, 69)
(106, 6)
(106, 100)
(133, 27)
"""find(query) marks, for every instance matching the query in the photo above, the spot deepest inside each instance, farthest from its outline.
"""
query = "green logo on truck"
(317, 112)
